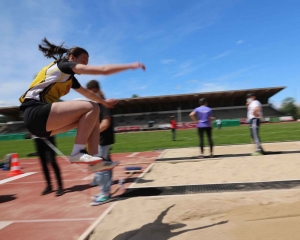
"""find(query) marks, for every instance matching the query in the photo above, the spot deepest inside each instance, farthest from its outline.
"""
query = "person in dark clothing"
(107, 139)
(46, 155)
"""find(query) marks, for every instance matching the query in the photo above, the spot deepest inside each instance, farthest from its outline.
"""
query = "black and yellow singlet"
(51, 83)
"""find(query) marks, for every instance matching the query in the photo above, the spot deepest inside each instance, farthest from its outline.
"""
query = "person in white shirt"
(219, 123)
(254, 115)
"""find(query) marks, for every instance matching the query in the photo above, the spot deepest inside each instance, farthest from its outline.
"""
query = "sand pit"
(267, 215)
(240, 169)
(231, 149)
(256, 215)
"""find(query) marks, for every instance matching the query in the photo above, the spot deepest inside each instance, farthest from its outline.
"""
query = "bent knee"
(92, 107)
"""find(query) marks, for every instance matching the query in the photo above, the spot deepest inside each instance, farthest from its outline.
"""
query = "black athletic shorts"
(35, 118)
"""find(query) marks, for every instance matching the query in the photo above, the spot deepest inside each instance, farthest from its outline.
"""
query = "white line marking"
(163, 153)
(53, 220)
(4, 224)
(16, 177)
(90, 177)
(67, 180)
(141, 175)
(133, 154)
(91, 228)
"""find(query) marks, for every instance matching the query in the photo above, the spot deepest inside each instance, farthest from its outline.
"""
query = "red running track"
(26, 215)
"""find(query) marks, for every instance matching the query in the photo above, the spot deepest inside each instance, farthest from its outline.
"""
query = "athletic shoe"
(47, 190)
(200, 156)
(103, 166)
(211, 155)
(256, 154)
(96, 196)
(84, 158)
(100, 200)
(59, 192)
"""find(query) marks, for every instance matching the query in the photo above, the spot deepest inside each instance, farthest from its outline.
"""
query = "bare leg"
(66, 115)
(94, 138)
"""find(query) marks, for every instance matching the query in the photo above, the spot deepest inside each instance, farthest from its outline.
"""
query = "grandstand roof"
(13, 112)
(141, 104)
(188, 101)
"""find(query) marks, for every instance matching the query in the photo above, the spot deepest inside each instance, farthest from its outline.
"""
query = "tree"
(289, 107)
(135, 96)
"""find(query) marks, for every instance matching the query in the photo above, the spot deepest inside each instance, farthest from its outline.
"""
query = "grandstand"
(158, 109)
(225, 105)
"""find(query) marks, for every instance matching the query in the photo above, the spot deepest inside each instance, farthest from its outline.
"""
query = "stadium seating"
(164, 117)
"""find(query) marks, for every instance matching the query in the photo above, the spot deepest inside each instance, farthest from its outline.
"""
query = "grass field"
(148, 141)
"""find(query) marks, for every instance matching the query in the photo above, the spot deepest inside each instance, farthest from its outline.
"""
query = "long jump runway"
(25, 214)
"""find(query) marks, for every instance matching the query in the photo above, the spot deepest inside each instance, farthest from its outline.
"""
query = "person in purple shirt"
(203, 116)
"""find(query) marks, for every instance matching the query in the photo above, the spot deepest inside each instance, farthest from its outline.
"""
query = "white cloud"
(193, 81)
(240, 42)
(212, 87)
(224, 54)
(185, 68)
(178, 86)
(167, 61)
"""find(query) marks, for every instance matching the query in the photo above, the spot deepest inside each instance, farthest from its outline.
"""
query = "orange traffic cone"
(15, 168)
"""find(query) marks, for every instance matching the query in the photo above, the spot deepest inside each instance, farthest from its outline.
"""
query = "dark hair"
(93, 84)
(250, 95)
(52, 51)
(203, 101)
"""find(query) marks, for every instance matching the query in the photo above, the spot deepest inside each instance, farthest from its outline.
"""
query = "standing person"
(219, 123)
(203, 115)
(44, 116)
(46, 155)
(106, 128)
(173, 127)
(254, 114)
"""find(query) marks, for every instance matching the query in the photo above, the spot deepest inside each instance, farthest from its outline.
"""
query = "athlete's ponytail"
(57, 52)
(52, 51)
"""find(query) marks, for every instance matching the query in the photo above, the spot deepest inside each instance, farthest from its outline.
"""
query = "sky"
(187, 46)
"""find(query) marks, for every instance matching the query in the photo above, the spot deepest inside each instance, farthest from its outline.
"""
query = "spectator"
(173, 127)
(106, 127)
(219, 123)
(46, 155)
(254, 115)
(203, 116)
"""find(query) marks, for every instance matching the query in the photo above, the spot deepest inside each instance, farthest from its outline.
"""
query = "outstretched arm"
(106, 69)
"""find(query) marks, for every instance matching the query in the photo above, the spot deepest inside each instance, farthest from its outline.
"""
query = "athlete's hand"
(137, 65)
(110, 103)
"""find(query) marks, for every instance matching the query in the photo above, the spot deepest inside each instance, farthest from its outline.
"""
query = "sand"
(239, 169)
(230, 149)
(265, 215)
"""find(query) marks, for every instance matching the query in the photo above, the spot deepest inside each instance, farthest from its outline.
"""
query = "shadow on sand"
(158, 230)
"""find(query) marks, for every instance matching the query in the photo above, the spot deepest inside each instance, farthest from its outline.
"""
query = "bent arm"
(211, 120)
(193, 116)
(90, 95)
(106, 69)
(256, 112)
(105, 123)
